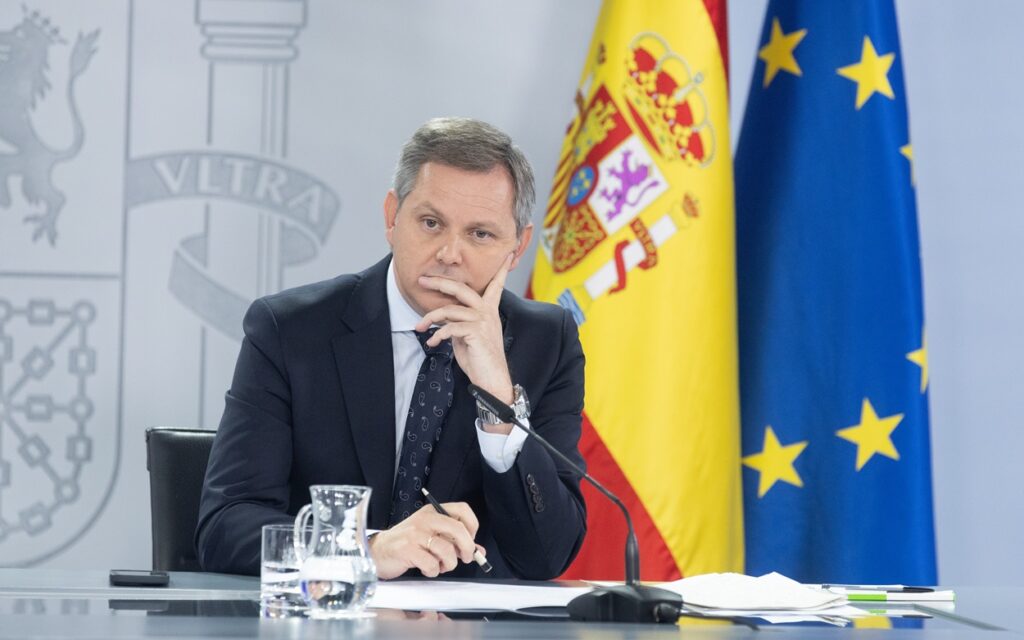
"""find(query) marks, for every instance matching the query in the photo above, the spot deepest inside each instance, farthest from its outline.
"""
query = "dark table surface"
(82, 604)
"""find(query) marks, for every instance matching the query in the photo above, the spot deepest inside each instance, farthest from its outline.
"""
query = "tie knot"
(444, 349)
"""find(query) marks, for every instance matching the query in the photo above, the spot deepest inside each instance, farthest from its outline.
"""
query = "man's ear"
(390, 213)
(522, 245)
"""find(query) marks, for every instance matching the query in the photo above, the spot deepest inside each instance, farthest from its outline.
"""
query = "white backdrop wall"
(232, 148)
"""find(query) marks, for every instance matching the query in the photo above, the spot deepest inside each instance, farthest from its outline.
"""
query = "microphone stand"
(630, 602)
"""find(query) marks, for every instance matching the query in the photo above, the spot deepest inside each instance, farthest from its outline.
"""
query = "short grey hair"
(470, 145)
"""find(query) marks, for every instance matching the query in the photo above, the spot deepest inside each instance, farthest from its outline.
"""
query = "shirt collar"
(403, 317)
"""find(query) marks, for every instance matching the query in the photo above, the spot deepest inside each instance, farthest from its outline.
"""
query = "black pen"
(477, 556)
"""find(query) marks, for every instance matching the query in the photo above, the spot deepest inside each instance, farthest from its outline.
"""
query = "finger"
(464, 514)
(449, 313)
(421, 559)
(458, 290)
(445, 552)
(451, 330)
(494, 288)
(428, 522)
(456, 533)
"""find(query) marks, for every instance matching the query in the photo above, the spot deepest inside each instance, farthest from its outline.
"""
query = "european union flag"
(833, 354)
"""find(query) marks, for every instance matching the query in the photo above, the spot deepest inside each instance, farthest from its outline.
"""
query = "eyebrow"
(426, 207)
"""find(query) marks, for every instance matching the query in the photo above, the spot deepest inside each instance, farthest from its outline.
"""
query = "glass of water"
(279, 569)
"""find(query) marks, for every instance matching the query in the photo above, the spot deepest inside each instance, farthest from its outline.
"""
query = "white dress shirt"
(498, 451)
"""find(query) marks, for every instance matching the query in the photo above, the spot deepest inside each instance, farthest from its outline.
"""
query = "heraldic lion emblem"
(24, 62)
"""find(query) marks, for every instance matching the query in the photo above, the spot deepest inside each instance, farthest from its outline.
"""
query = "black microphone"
(632, 602)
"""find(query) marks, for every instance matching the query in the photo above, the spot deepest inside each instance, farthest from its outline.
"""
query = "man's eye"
(482, 235)
(430, 223)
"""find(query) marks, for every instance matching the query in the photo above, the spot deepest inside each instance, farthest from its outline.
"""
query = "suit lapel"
(365, 367)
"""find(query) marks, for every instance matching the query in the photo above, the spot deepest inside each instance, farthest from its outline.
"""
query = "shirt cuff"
(500, 451)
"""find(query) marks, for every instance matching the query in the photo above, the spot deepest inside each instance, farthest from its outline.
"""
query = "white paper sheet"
(946, 595)
(737, 592)
(441, 595)
(776, 615)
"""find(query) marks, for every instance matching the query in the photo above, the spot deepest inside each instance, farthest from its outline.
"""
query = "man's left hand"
(475, 330)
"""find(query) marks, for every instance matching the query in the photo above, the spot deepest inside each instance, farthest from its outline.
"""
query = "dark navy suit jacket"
(313, 402)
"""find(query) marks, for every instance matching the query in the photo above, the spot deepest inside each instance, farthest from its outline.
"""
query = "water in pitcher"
(338, 586)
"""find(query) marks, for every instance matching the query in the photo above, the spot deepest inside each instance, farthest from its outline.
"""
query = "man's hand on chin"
(475, 329)
(427, 541)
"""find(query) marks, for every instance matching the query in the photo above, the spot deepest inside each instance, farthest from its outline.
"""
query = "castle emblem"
(24, 62)
(41, 468)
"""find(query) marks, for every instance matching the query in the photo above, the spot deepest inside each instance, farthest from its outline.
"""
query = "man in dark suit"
(342, 382)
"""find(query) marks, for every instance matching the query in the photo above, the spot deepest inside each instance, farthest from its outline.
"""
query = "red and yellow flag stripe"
(637, 241)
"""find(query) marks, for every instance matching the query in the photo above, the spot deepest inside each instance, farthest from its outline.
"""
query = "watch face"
(521, 404)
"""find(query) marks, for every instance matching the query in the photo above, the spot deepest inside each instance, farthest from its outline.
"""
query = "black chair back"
(176, 460)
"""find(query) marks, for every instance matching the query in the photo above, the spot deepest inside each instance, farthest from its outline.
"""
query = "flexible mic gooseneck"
(632, 602)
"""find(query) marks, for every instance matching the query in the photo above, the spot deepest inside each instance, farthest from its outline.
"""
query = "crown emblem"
(666, 102)
(42, 25)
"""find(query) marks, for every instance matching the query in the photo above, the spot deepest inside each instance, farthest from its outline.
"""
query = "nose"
(450, 253)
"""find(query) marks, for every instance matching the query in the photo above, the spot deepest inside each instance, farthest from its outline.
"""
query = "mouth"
(443, 275)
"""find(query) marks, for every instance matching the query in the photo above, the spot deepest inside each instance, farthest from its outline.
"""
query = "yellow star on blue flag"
(871, 73)
(775, 462)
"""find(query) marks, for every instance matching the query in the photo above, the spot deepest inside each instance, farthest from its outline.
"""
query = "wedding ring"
(429, 540)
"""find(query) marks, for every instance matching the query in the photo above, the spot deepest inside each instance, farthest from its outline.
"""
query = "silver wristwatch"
(520, 405)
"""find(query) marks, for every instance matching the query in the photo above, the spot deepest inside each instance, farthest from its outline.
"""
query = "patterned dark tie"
(431, 399)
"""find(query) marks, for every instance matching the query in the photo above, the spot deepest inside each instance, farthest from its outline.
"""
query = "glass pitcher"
(338, 576)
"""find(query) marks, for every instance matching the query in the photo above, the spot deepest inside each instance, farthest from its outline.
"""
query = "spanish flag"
(637, 242)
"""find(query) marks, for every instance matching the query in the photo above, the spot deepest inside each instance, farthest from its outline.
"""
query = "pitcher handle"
(298, 533)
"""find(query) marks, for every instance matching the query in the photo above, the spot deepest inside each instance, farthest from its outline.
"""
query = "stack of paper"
(735, 591)
(772, 597)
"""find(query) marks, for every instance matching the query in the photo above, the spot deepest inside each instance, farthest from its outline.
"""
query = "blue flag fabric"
(833, 355)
